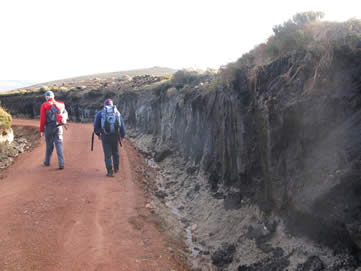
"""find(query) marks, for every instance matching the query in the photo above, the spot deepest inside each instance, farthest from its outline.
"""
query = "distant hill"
(155, 71)
(6, 85)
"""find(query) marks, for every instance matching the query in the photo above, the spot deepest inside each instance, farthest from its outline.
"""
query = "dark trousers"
(111, 150)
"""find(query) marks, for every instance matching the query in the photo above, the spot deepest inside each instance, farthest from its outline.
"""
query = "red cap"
(108, 102)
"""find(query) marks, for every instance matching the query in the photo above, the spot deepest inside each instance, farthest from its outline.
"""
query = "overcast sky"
(44, 40)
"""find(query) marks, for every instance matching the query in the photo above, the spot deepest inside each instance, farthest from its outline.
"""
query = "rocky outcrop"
(6, 135)
(24, 140)
(288, 139)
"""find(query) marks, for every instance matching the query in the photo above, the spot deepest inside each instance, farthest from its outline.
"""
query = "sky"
(43, 40)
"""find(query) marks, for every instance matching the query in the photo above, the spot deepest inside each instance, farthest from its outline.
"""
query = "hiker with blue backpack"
(53, 117)
(110, 129)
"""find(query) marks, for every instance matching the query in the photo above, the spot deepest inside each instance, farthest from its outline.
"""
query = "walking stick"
(120, 142)
(92, 142)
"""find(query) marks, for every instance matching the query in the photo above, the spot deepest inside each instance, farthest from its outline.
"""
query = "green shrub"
(60, 90)
(304, 18)
(44, 89)
(292, 35)
(5, 119)
(304, 31)
(184, 77)
(160, 87)
(214, 84)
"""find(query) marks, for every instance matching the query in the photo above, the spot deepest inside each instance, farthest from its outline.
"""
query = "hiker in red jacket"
(52, 117)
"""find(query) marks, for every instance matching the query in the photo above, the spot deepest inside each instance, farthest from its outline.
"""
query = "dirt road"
(76, 218)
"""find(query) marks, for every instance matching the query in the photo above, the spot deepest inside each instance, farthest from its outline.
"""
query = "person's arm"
(122, 128)
(97, 124)
(65, 114)
(42, 118)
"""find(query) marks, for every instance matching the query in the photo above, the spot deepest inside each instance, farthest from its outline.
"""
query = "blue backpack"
(110, 120)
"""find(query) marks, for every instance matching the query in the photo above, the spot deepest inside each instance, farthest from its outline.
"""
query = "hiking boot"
(109, 172)
(116, 169)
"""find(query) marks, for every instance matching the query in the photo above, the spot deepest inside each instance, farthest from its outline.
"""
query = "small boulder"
(223, 255)
(162, 154)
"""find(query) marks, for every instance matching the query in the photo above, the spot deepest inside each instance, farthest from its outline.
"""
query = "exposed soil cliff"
(286, 140)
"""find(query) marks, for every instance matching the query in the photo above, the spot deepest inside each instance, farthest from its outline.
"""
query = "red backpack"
(57, 115)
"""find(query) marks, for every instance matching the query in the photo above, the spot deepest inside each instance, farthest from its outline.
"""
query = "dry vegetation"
(103, 84)
(122, 75)
(306, 33)
(5, 119)
(94, 87)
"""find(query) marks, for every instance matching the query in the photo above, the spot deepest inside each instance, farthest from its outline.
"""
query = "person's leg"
(115, 153)
(107, 148)
(49, 140)
(59, 149)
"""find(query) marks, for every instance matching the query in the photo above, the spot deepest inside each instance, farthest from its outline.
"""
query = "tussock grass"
(304, 32)
(315, 36)
(5, 119)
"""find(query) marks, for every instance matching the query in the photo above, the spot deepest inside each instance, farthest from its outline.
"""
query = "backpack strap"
(103, 118)
(119, 122)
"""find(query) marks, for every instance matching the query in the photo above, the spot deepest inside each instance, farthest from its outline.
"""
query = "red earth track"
(77, 218)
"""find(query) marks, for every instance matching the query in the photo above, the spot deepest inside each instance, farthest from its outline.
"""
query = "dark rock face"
(289, 144)
(278, 262)
(162, 154)
(287, 138)
(312, 264)
(271, 264)
(233, 201)
(223, 255)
